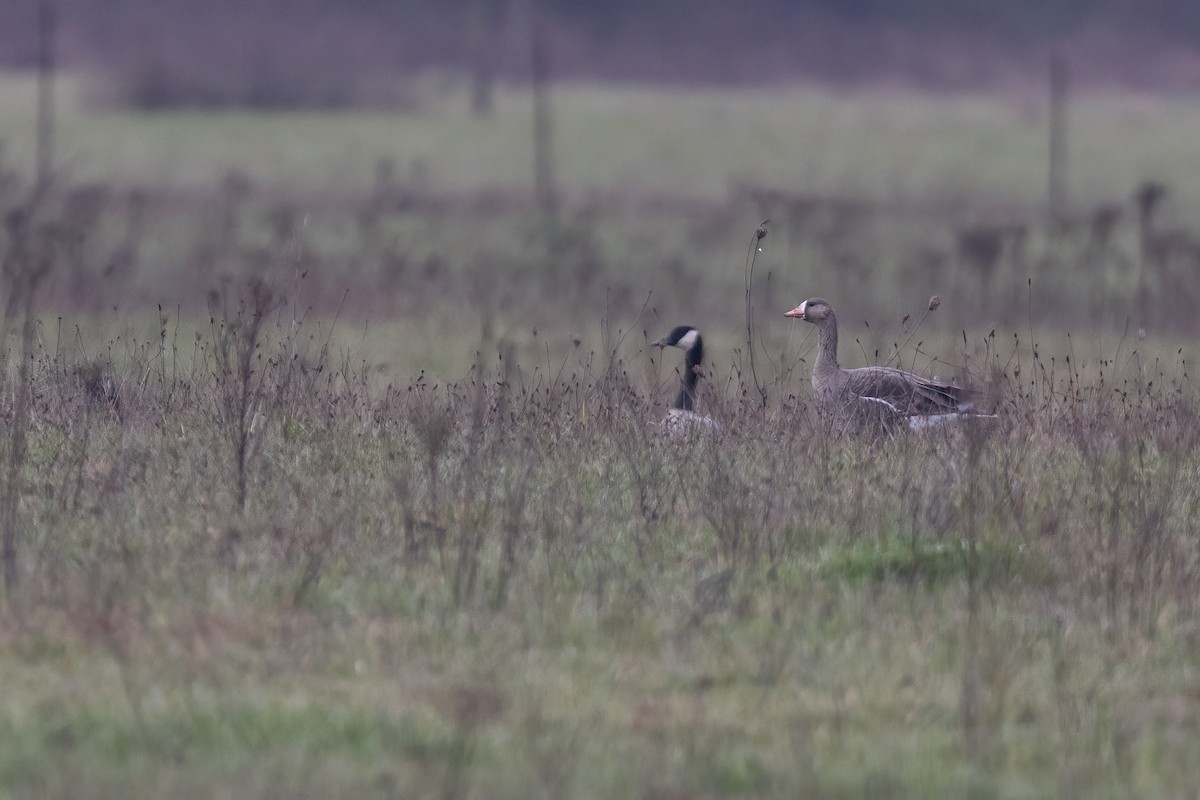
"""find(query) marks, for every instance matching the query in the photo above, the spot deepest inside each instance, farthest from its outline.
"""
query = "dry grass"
(245, 560)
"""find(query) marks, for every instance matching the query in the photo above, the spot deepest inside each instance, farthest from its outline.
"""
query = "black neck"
(691, 376)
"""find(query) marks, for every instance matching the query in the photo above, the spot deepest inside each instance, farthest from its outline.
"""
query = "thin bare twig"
(751, 258)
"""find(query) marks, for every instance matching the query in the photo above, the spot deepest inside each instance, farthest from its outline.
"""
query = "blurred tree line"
(155, 53)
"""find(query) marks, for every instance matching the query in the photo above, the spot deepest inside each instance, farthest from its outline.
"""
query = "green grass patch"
(929, 561)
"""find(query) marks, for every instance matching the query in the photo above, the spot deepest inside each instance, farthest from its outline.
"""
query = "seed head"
(934, 302)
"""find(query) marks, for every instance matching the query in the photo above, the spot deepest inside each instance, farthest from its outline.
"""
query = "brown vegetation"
(271, 561)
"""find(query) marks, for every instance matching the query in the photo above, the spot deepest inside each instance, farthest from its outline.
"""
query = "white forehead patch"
(803, 306)
(688, 339)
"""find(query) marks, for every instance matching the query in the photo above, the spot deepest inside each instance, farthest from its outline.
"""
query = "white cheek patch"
(688, 339)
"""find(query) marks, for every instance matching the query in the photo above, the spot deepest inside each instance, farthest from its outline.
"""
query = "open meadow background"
(328, 455)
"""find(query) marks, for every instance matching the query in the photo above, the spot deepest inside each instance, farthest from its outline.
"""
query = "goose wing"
(906, 392)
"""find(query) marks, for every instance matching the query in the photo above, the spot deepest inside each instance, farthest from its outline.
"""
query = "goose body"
(875, 394)
(682, 419)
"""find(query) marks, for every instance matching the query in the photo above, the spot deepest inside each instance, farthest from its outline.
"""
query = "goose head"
(815, 309)
(684, 337)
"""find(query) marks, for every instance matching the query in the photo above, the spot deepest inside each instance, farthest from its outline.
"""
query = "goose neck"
(827, 343)
(691, 376)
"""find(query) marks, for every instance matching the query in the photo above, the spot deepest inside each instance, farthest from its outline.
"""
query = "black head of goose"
(681, 418)
(875, 392)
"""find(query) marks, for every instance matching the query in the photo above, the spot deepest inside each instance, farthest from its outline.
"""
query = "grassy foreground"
(242, 570)
(252, 550)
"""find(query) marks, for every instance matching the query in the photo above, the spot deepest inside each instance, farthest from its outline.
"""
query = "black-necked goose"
(681, 418)
(875, 393)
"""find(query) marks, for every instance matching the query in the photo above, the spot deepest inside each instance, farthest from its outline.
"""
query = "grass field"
(679, 142)
(324, 482)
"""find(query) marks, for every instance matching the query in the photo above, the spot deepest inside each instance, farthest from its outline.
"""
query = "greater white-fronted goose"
(880, 394)
(681, 419)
